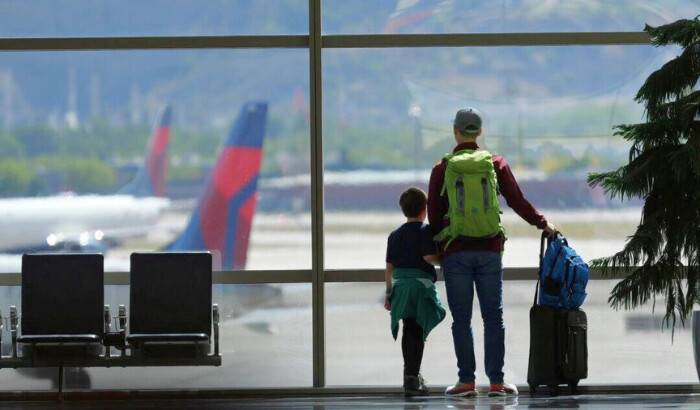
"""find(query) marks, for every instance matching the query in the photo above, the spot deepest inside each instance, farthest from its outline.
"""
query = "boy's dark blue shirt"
(408, 244)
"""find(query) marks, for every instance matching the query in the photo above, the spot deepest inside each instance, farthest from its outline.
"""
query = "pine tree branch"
(652, 134)
(682, 32)
(682, 111)
(637, 288)
(673, 80)
(638, 178)
(663, 170)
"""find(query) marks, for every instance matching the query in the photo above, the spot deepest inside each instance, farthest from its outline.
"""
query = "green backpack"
(472, 192)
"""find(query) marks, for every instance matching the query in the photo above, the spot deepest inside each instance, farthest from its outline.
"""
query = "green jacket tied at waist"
(413, 294)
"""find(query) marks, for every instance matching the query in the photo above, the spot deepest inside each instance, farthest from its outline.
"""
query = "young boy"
(410, 256)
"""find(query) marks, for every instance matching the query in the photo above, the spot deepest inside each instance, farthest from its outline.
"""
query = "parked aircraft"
(150, 178)
(220, 223)
(223, 217)
(91, 222)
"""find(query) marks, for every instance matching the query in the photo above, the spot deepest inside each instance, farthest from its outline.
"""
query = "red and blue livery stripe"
(224, 215)
(150, 179)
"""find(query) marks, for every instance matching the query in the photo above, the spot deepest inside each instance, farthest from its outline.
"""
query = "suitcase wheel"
(553, 390)
(574, 387)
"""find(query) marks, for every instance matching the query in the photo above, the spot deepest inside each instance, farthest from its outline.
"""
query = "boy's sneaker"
(415, 386)
(503, 389)
(462, 390)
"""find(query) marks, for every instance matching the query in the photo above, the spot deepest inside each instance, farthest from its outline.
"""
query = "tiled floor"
(607, 401)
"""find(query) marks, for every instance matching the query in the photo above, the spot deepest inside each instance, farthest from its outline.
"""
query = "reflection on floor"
(602, 401)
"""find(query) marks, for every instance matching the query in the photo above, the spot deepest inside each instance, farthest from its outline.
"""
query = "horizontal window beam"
(150, 43)
(483, 40)
(298, 276)
(377, 275)
(327, 41)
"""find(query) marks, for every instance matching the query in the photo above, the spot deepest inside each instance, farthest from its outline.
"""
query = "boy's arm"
(436, 209)
(388, 276)
(432, 259)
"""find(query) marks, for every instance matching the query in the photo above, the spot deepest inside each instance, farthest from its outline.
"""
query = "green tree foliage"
(9, 146)
(37, 140)
(15, 177)
(664, 170)
(81, 174)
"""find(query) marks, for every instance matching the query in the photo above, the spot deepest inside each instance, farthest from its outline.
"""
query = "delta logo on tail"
(223, 217)
(150, 178)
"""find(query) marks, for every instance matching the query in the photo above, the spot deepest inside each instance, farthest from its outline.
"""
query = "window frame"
(315, 42)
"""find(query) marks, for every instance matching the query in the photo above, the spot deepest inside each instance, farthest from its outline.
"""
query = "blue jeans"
(464, 271)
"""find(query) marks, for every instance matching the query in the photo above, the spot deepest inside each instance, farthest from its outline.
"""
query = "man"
(474, 261)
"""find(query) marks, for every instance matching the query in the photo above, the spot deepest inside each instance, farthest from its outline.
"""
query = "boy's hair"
(413, 201)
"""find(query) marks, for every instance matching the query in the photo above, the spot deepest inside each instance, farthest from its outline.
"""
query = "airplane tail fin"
(150, 178)
(223, 216)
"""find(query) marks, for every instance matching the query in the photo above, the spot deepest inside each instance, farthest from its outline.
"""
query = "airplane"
(223, 217)
(91, 222)
(150, 178)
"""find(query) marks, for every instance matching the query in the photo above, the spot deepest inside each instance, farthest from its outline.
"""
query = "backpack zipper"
(554, 262)
(460, 192)
(573, 280)
(484, 189)
(566, 271)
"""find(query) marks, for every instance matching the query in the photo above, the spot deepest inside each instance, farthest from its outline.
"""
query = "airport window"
(359, 327)
(501, 16)
(548, 110)
(133, 18)
(81, 121)
(265, 336)
(290, 140)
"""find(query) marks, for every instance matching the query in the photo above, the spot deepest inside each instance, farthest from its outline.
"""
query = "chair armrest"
(49, 339)
(167, 337)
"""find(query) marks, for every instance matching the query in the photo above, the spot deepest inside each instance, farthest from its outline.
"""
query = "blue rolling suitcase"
(558, 344)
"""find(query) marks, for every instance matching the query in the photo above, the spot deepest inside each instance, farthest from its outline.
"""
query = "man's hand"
(387, 303)
(550, 229)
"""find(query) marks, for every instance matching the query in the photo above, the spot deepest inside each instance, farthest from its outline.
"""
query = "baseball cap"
(468, 120)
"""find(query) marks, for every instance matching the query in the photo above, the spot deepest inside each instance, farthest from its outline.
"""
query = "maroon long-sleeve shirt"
(438, 205)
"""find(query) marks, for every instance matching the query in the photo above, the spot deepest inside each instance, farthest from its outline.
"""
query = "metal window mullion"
(317, 272)
(485, 39)
(150, 43)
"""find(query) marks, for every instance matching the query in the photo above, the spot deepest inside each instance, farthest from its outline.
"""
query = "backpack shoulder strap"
(445, 159)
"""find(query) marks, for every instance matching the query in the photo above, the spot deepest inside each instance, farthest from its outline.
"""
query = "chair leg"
(60, 383)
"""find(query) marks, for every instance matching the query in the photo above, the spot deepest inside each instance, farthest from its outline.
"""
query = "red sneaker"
(503, 389)
(462, 390)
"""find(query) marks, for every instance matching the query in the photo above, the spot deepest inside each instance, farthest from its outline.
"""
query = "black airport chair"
(62, 303)
(170, 310)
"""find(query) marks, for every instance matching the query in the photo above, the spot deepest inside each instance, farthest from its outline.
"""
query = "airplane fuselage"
(37, 222)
